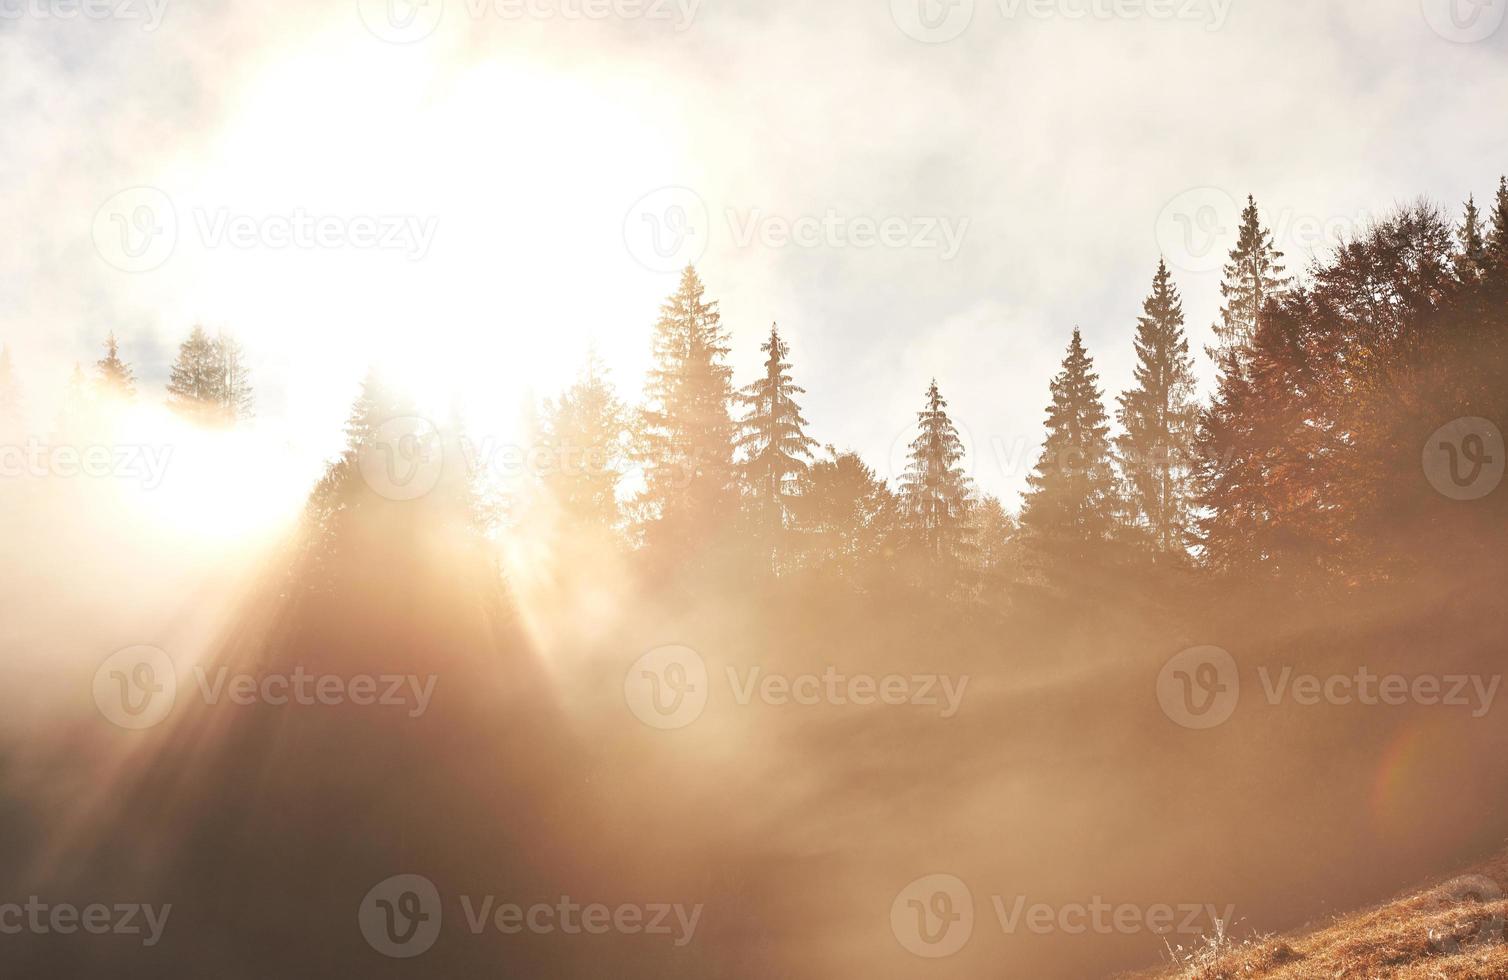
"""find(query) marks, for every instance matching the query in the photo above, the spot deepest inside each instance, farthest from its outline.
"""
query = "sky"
(473, 192)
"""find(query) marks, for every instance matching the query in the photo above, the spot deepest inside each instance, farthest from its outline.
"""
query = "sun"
(503, 185)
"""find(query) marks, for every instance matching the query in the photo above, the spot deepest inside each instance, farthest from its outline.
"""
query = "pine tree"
(1471, 263)
(934, 491)
(115, 378)
(1253, 275)
(587, 431)
(686, 432)
(234, 399)
(1160, 416)
(774, 439)
(194, 380)
(1497, 239)
(1073, 503)
(846, 514)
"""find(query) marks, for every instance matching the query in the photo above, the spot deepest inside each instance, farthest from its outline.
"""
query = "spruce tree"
(778, 450)
(586, 431)
(115, 378)
(934, 491)
(1159, 416)
(686, 433)
(234, 400)
(195, 379)
(1472, 260)
(846, 514)
(1497, 239)
(1253, 275)
(1073, 503)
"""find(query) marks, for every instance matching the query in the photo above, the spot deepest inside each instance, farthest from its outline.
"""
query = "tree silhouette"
(114, 377)
(1159, 416)
(934, 491)
(1073, 503)
(686, 438)
(774, 440)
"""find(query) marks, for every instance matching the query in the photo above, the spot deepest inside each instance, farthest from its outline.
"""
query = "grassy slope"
(1448, 929)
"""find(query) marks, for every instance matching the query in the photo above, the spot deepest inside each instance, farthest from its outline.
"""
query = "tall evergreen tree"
(194, 381)
(587, 431)
(1160, 416)
(1497, 240)
(1472, 260)
(847, 514)
(687, 432)
(774, 440)
(234, 398)
(1253, 275)
(934, 491)
(1073, 503)
(115, 377)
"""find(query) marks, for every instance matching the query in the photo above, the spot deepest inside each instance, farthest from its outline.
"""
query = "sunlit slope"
(1447, 929)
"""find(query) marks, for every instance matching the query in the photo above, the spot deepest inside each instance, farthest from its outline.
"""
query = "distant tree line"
(1303, 467)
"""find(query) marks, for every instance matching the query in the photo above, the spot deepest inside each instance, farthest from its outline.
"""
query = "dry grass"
(1451, 929)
